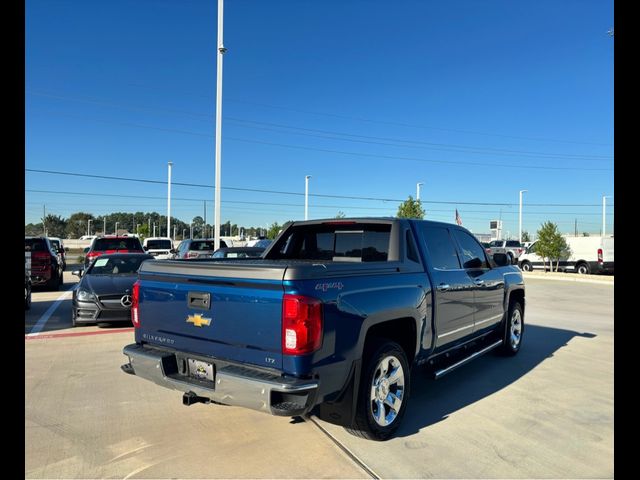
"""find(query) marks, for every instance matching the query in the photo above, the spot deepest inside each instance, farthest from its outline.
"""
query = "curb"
(567, 279)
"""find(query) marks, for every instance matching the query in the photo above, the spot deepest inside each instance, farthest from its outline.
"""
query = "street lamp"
(604, 212)
(89, 227)
(306, 196)
(170, 164)
(221, 51)
(520, 217)
(418, 190)
(116, 228)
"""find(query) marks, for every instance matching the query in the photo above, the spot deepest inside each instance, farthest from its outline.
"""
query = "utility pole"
(154, 229)
(148, 225)
(520, 217)
(204, 227)
(174, 233)
(221, 52)
(89, 226)
(116, 232)
(44, 215)
(169, 202)
(104, 227)
(418, 190)
(604, 213)
(306, 196)
(575, 228)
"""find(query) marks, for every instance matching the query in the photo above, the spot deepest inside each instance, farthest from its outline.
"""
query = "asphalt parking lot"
(546, 413)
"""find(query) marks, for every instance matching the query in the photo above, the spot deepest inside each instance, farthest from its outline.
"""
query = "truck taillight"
(135, 313)
(301, 324)
(44, 257)
(600, 255)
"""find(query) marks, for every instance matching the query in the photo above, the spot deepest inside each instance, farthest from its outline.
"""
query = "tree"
(551, 244)
(525, 236)
(198, 224)
(55, 225)
(33, 229)
(411, 208)
(340, 214)
(585, 234)
(77, 224)
(273, 231)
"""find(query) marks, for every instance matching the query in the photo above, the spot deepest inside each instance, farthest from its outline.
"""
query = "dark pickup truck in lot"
(333, 318)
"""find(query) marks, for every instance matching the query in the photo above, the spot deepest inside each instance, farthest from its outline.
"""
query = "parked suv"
(46, 268)
(197, 248)
(112, 244)
(160, 247)
(59, 247)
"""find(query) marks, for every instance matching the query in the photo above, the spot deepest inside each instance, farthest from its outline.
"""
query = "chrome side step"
(444, 371)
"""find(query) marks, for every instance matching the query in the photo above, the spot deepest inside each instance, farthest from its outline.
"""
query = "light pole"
(520, 217)
(418, 190)
(137, 229)
(104, 228)
(221, 52)
(183, 230)
(604, 212)
(170, 164)
(116, 228)
(89, 227)
(306, 196)
(191, 230)
(154, 229)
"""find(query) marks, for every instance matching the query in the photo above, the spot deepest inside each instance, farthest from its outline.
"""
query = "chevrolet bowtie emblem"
(198, 320)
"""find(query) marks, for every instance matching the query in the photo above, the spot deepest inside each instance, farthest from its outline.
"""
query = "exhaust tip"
(128, 368)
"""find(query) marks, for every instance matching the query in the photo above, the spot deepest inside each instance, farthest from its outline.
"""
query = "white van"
(588, 255)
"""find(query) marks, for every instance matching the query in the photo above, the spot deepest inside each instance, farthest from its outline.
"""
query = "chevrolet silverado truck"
(334, 319)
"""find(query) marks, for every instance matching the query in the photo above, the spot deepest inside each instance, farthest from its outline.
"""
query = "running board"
(444, 371)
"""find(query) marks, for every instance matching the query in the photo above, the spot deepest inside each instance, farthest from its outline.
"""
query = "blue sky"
(478, 100)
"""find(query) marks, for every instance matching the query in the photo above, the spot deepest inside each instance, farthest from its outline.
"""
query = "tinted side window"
(412, 253)
(441, 248)
(472, 252)
(513, 243)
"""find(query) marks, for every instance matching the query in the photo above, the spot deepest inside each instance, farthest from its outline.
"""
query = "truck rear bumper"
(234, 384)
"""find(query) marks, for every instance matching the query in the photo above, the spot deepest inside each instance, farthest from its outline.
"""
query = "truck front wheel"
(383, 393)
(514, 328)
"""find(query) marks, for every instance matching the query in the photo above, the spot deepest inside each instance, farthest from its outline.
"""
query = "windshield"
(496, 243)
(203, 245)
(159, 244)
(116, 265)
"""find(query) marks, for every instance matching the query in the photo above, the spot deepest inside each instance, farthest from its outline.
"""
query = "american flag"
(458, 219)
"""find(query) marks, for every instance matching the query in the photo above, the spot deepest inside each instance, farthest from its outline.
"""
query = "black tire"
(365, 424)
(526, 266)
(513, 330)
(583, 268)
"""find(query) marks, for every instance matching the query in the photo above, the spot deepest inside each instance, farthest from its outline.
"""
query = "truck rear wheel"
(583, 268)
(514, 328)
(384, 391)
(526, 266)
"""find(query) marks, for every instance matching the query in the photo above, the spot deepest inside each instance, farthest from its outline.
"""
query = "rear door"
(215, 309)
(454, 303)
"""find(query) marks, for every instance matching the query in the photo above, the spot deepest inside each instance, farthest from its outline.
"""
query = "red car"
(112, 244)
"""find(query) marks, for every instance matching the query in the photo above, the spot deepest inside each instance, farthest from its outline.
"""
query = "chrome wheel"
(516, 328)
(387, 390)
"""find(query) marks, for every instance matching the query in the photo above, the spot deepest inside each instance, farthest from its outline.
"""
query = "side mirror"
(66, 249)
(173, 250)
(145, 248)
(501, 259)
(77, 273)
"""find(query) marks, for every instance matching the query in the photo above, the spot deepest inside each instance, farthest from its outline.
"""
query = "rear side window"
(442, 250)
(336, 242)
(129, 243)
(472, 252)
(513, 243)
(35, 245)
(496, 243)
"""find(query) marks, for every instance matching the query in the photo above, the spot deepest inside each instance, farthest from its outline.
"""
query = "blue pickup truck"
(333, 318)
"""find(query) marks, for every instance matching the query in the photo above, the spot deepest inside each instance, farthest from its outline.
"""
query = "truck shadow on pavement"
(433, 401)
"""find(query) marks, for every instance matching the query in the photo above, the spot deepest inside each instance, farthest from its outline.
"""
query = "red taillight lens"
(301, 324)
(41, 257)
(600, 255)
(135, 313)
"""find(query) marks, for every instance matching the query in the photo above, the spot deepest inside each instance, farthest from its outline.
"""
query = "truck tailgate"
(221, 309)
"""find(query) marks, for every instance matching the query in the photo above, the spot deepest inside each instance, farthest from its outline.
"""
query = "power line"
(164, 182)
(368, 139)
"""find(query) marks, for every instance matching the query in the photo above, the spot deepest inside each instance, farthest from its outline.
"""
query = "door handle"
(443, 287)
(478, 281)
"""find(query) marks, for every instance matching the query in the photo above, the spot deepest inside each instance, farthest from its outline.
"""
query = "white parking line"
(42, 321)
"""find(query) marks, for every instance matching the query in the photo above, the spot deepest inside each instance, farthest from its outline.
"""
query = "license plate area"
(199, 370)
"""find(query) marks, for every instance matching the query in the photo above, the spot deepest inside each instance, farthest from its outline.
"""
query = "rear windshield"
(496, 243)
(335, 242)
(35, 245)
(203, 245)
(158, 244)
(55, 244)
(130, 243)
(513, 243)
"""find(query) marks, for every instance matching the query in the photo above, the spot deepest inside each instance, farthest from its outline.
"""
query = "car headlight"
(85, 296)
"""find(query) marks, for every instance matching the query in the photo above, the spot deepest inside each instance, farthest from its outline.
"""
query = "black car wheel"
(513, 330)
(526, 266)
(384, 391)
